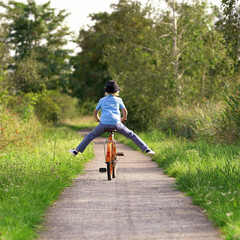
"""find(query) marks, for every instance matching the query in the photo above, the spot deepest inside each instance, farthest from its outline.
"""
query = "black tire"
(109, 170)
(114, 170)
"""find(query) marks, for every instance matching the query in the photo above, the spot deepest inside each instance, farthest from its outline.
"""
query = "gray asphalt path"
(141, 203)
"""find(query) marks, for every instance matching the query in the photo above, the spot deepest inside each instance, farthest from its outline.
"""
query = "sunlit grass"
(209, 173)
(32, 177)
(33, 174)
(80, 123)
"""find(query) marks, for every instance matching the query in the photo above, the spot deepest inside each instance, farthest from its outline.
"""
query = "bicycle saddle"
(110, 130)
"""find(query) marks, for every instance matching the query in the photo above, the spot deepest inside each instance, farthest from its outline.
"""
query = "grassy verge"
(88, 122)
(209, 173)
(32, 177)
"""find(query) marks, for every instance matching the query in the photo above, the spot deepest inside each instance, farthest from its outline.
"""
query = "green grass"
(32, 177)
(88, 122)
(209, 173)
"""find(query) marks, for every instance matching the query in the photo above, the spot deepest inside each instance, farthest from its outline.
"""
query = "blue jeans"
(120, 128)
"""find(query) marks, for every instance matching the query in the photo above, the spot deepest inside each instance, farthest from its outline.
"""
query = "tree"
(132, 61)
(167, 60)
(5, 60)
(38, 29)
(192, 49)
(229, 24)
(159, 59)
(90, 72)
(26, 78)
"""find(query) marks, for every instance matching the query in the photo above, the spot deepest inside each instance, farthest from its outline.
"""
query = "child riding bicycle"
(111, 119)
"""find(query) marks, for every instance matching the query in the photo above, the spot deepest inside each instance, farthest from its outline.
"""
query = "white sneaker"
(150, 152)
(73, 152)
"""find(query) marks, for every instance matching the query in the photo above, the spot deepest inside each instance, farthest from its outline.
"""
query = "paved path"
(141, 203)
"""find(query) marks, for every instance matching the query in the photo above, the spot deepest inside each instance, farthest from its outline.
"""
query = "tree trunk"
(175, 54)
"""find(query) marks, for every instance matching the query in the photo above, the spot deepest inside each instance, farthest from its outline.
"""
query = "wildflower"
(229, 214)
(57, 176)
(209, 194)
(16, 131)
(2, 129)
(14, 197)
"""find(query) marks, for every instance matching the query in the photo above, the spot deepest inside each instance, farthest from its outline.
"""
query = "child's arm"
(96, 115)
(124, 117)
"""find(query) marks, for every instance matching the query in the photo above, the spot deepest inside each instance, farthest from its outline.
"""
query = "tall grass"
(32, 175)
(193, 122)
(84, 122)
(35, 164)
(209, 173)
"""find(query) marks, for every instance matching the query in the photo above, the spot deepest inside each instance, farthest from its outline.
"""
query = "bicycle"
(110, 155)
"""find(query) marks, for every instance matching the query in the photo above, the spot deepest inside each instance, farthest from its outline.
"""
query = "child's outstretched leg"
(122, 129)
(99, 130)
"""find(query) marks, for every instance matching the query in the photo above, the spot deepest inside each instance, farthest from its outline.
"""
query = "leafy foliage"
(229, 24)
(159, 67)
(161, 60)
(90, 73)
(37, 31)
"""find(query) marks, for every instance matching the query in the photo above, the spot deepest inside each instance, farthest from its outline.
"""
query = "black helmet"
(111, 87)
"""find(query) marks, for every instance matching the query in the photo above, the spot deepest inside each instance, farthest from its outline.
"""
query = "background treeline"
(178, 67)
(179, 71)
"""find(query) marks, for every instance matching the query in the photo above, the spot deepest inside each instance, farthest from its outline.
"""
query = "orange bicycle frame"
(110, 153)
(111, 148)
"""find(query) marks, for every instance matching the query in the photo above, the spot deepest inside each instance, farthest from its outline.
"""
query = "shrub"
(229, 124)
(15, 130)
(68, 106)
(47, 109)
(86, 108)
(53, 106)
(191, 122)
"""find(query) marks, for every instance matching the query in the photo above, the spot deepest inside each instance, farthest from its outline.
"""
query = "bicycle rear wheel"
(114, 170)
(109, 170)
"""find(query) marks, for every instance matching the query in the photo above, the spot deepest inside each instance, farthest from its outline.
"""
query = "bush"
(213, 122)
(229, 125)
(86, 108)
(47, 110)
(23, 104)
(68, 106)
(53, 106)
(15, 130)
(199, 122)
(48, 106)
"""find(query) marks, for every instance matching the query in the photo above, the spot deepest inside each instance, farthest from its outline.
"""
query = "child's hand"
(96, 115)
(123, 119)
